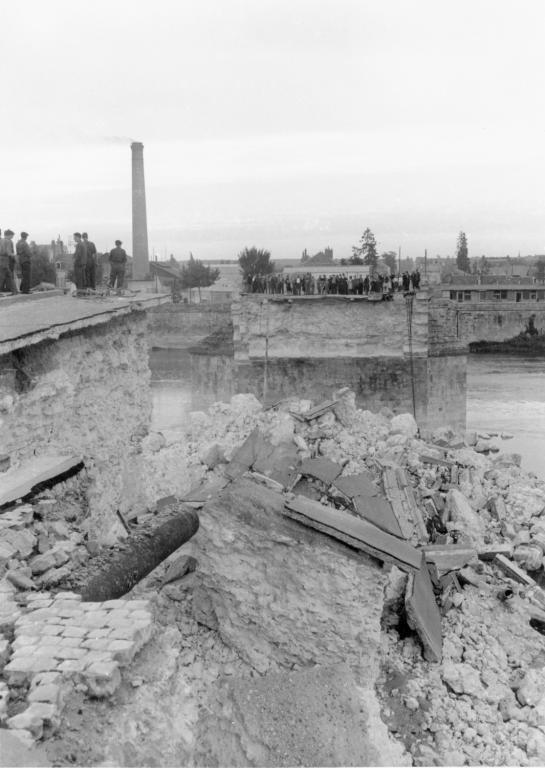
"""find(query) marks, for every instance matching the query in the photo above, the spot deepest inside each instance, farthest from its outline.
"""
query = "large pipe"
(117, 570)
(140, 253)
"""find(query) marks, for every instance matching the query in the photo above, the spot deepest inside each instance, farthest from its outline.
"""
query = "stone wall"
(86, 394)
(326, 328)
(180, 325)
(496, 321)
(313, 347)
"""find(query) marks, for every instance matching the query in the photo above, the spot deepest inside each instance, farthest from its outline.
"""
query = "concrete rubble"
(257, 604)
(478, 507)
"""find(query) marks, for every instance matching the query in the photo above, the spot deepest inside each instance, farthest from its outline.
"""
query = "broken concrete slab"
(449, 557)
(513, 571)
(22, 481)
(321, 468)
(245, 456)
(280, 463)
(355, 532)
(423, 614)
(361, 484)
(315, 716)
(378, 511)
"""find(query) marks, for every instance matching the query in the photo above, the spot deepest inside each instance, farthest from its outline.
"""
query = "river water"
(505, 394)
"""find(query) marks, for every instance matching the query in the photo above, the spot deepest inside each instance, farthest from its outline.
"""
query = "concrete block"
(42, 563)
(103, 678)
(123, 651)
(29, 720)
(48, 694)
(19, 671)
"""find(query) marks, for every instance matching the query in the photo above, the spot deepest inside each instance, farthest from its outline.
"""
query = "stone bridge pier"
(402, 354)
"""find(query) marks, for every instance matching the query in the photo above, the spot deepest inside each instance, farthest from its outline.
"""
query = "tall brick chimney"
(140, 254)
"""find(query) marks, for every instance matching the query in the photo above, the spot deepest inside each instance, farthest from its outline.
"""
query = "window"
(483, 295)
(467, 295)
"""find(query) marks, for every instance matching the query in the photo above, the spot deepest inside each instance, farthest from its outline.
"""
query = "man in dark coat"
(118, 261)
(91, 263)
(7, 262)
(80, 262)
(25, 258)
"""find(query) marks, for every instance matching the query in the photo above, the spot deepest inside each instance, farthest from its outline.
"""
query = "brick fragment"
(123, 651)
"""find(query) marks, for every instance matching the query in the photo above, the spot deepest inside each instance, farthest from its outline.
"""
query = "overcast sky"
(280, 123)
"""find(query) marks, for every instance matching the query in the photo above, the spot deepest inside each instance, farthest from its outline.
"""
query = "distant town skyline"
(287, 125)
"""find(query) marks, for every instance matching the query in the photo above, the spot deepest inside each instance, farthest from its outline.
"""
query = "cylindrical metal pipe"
(116, 571)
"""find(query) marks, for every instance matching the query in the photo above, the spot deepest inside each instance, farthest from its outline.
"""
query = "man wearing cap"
(25, 256)
(80, 262)
(7, 261)
(118, 260)
(91, 265)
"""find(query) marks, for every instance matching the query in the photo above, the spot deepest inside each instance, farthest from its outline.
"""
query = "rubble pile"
(43, 540)
(50, 643)
(478, 522)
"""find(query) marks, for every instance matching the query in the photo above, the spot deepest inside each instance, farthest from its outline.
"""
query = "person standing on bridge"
(118, 261)
(80, 262)
(91, 262)
(24, 255)
(7, 262)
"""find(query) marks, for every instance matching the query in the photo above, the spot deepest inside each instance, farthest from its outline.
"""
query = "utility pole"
(425, 262)
(399, 260)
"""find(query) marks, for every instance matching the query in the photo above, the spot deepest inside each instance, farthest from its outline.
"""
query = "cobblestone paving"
(60, 641)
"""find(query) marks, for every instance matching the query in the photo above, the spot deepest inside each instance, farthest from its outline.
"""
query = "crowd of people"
(308, 284)
(17, 259)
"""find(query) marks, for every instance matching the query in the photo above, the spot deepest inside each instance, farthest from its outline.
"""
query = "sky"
(286, 124)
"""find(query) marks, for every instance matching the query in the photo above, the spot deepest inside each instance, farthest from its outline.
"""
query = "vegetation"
(462, 258)
(366, 251)
(255, 261)
(322, 258)
(390, 259)
(195, 274)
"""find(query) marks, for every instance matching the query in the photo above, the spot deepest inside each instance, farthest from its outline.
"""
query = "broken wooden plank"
(513, 571)
(378, 510)
(21, 481)
(447, 558)
(490, 552)
(416, 515)
(391, 480)
(358, 533)
(361, 484)
(321, 468)
(423, 614)
(319, 410)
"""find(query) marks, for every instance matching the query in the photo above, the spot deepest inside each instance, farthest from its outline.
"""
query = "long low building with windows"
(496, 292)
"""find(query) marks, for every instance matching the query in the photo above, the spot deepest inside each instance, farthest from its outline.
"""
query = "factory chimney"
(140, 267)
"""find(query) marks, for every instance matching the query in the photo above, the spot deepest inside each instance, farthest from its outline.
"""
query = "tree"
(255, 261)
(196, 275)
(322, 258)
(390, 259)
(366, 251)
(462, 259)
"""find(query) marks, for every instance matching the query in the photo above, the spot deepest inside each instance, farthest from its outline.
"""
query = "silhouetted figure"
(24, 255)
(118, 261)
